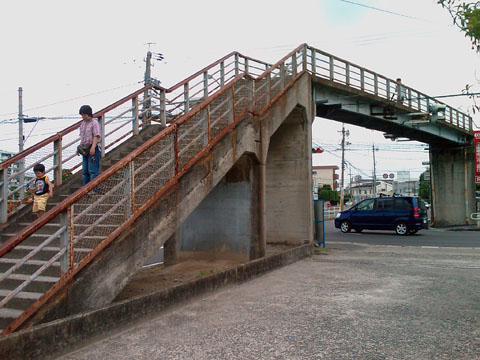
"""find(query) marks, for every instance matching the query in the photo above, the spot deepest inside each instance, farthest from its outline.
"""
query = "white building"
(364, 189)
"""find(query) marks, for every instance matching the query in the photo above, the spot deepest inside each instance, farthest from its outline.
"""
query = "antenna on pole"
(148, 66)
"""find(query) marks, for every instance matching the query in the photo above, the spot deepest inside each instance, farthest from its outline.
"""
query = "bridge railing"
(118, 122)
(330, 67)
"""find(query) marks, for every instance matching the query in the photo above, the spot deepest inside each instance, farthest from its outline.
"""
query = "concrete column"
(225, 225)
(289, 218)
(171, 249)
(453, 185)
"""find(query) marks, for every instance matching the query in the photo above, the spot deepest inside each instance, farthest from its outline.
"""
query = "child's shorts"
(40, 202)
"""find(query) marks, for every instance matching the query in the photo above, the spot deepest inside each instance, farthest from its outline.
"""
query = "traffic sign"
(391, 176)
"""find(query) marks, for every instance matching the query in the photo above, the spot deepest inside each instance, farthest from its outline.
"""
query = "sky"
(68, 53)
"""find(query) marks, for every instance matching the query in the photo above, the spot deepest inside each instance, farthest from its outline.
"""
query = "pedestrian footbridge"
(218, 165)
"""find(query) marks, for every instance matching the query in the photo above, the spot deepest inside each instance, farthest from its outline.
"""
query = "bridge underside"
(451, 150)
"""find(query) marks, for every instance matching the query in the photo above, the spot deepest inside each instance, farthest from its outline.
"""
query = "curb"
(59, 336)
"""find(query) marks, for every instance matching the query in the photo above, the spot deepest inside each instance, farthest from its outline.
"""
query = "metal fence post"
(282, 74)
(64, 259)
(304, 58)
(237, 70)
(57, 162)
(294, 64)
(163, 108)
(222, 73)
(135, 115)
(231, 105)
(347, 74)
(314, 62)
(269, 87)
(205, 84)
(4, 194)
(205, 125)
(362, 79)
(186, 99)
(101, 118)
(331, 68)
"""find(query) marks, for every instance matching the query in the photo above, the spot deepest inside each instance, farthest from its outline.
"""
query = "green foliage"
(424, 189)
(328, 195)
(466, 16)
(66, 173)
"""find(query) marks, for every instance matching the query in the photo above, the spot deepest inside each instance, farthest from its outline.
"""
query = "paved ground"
(357, 302)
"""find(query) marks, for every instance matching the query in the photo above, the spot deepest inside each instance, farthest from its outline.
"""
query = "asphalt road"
(426, 237)
(357, 301)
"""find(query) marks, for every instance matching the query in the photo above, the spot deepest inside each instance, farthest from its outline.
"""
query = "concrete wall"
(453, 185)
(225, 224)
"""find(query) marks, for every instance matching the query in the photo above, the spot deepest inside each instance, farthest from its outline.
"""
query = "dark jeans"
(91, 168)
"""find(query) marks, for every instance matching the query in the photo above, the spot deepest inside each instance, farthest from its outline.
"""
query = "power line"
(382, 10)
(76, 98)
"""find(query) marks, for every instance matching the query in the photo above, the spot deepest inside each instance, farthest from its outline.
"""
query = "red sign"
(476, 137)
(477, 179)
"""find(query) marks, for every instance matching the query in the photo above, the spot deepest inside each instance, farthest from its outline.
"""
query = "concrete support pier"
(453, 185)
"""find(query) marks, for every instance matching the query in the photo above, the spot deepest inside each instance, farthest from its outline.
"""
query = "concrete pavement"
(360, 302)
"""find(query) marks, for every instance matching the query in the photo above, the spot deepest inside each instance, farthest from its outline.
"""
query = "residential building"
(325, 175)
(363, 189)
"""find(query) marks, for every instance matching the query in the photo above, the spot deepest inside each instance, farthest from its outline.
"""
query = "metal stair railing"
(118, 122)
(90, 220)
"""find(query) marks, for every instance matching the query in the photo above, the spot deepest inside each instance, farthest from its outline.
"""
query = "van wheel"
(345, 226)
(401, 228)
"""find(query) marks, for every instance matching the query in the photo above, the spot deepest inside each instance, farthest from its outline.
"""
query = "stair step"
(24, 277)
(10, 313)
(22, 294)
(5, 260)
(50, 248)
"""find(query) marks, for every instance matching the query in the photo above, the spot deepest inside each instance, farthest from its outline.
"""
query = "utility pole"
(147, 81)
(21, 178)
(374, 182)
(148, 68)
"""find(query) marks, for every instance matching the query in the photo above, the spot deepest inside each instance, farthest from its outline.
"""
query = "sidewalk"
(369, 302)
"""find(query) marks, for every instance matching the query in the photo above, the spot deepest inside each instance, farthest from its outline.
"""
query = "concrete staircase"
(19, 221)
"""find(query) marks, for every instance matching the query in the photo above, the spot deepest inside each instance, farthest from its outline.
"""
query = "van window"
(384, 204)
(366, 205)
(422, 205)
(403, 203)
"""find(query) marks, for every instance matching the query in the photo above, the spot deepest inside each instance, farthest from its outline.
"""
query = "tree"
(466, 16)
(424, 188)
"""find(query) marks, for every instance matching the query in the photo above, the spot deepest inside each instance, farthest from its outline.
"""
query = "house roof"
(332, 167)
